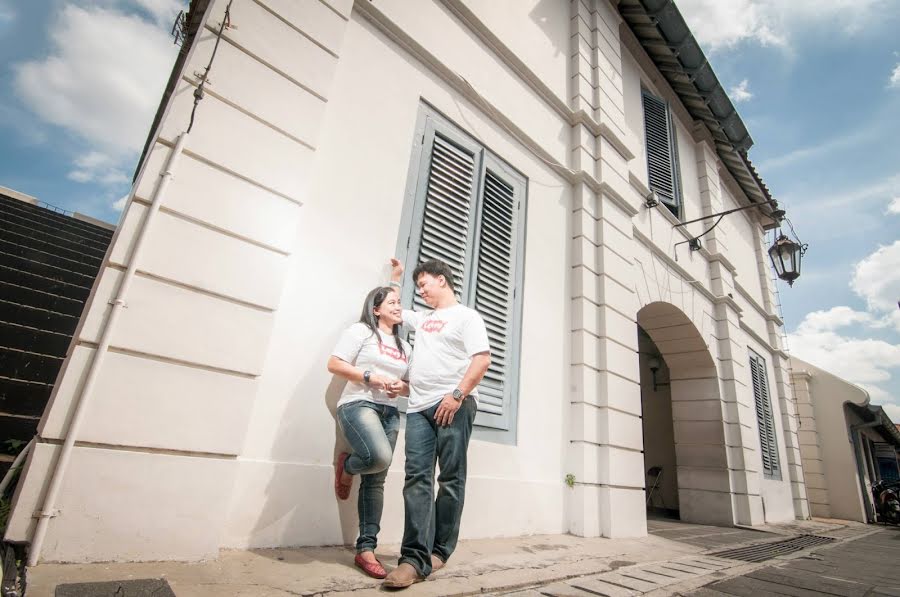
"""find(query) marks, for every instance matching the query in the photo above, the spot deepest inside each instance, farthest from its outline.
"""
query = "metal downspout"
(83, 398)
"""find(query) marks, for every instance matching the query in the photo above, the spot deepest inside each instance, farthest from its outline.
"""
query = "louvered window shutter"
(662, 165)
(764, 417)
(497, 268)
(448, 204)
(468, 211)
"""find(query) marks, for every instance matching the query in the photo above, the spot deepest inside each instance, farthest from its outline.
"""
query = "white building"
(846, 444)
(510, 137)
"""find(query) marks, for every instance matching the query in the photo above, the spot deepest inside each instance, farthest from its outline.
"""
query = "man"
(450, 356)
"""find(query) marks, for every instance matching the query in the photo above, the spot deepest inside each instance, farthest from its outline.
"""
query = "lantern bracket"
(694, 242)
(722, 214)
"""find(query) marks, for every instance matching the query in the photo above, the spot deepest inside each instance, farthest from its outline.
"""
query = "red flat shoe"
(341, 491)
(373, 569)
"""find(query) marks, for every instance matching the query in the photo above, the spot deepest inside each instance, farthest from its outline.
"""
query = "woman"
(374, 360)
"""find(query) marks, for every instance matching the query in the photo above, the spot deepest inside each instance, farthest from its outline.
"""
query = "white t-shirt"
(446, 341)
(358, 346)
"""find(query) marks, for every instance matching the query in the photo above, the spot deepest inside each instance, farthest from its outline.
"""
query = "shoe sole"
(394, 585)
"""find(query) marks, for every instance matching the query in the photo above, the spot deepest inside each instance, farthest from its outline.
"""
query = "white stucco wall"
(827, 443)
(538, 32)
(351, 227)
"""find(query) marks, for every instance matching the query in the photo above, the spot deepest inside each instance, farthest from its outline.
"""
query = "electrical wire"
(198, 92)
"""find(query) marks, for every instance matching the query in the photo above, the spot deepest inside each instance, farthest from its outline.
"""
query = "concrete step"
(20, 397)
(48, 217)
(62, 247)
(31, 255)
(20, 337)
(34, 317)
(44, 278)
(29, 366)
(52, 231)
(17, 428)
(37, 299)
(47, 270)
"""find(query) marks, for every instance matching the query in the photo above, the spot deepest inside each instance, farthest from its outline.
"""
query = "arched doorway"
(682, 418)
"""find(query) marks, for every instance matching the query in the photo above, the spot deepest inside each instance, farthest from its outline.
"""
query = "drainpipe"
(82, 400)
(857, 456)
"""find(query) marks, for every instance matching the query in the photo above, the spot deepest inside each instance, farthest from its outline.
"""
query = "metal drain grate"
(766, 551)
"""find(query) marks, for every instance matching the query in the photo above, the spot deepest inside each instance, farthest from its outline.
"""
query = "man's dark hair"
(436, 268)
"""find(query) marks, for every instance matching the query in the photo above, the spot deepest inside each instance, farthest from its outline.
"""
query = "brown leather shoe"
(401, 577)
(436, 563)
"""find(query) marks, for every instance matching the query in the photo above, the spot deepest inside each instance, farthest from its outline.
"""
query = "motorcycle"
(887, 501)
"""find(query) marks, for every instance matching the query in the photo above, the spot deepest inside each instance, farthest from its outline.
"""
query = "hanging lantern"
(785, 255)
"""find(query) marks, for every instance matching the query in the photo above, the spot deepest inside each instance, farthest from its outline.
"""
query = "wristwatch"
(458, 395)
(367, 375)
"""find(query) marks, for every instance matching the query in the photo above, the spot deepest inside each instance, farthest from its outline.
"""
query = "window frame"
(429, 123)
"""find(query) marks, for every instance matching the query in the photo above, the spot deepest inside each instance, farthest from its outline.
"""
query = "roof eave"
(665, 36)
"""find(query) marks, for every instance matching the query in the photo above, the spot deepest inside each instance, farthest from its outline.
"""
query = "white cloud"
(859, 360)
(831, 320)
(894, 81)
(877, 279)
(98, 167)
(119, 204)
(822, 147)
(739, 93)
(103, 77)
(856, 195)
(822, 338)
(163, 11)
(892, 410)
(7, 14)
(721, 24)
(894, 206)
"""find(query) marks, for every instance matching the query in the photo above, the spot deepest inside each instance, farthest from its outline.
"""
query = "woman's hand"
(398, 388)
(380, 382)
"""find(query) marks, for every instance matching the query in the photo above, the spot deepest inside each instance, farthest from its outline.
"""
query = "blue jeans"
(371, 430)
(432, 525)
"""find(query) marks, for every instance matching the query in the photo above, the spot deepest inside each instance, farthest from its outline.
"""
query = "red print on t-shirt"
(392, 352)
(433, 326)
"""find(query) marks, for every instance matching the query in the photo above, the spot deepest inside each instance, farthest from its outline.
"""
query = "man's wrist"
(395, 284)
(458, 395)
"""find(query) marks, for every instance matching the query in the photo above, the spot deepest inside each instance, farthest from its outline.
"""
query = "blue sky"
(81, 82)
(816, 81)
(818, 84)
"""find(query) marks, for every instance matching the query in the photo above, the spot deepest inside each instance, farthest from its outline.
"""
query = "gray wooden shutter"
(661, 163)
(442, 228)
(497, 273)
(764, 418)
(445, 229)
(468, 210)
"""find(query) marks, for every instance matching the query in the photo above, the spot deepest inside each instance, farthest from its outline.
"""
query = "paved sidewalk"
(868, 566)
(672, 554)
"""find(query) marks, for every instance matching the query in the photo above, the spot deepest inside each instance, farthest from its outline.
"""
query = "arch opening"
(685, 444)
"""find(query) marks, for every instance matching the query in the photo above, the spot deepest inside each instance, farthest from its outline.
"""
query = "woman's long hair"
(374, 300)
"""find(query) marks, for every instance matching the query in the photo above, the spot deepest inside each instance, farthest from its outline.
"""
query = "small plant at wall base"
(570, 480)
(12, 446)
